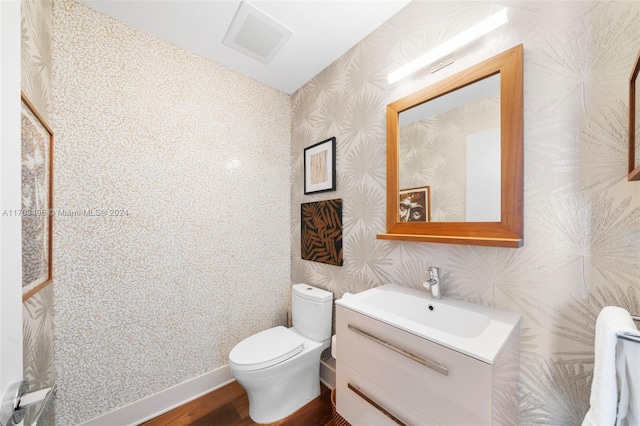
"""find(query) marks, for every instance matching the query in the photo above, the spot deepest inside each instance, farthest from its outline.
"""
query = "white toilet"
(280, 367)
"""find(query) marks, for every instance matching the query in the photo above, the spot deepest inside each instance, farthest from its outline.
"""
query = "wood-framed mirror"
(634, 122)
(462, 138)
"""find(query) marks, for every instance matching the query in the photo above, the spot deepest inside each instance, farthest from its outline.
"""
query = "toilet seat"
(266, 348)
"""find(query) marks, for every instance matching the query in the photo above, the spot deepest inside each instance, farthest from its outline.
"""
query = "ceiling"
(323, 30)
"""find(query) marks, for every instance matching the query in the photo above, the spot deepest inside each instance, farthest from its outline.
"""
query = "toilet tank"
(311, 310)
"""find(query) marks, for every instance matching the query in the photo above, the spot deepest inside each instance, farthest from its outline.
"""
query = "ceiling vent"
(256, 34)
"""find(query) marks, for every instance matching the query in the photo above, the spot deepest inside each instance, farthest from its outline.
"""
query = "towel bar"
(628, 336)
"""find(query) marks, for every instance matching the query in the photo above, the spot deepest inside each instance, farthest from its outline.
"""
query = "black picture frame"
(320, 167)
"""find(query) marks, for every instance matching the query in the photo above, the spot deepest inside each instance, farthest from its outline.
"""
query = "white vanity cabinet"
(386, 375)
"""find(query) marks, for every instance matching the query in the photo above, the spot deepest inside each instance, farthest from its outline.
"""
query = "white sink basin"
(437, 314)
(475, 330)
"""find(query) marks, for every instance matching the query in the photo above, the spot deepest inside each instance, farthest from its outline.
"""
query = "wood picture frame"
(37, 200)
(320, 167)
(634, 112)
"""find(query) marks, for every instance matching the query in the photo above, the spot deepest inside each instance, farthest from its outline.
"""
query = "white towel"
(628, 369)
(604, 389)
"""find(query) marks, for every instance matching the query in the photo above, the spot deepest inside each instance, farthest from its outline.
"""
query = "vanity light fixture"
(478, 30)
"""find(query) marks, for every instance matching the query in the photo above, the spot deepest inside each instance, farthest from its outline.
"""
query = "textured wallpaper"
(173, 177)
(582, 218)
(37, 311)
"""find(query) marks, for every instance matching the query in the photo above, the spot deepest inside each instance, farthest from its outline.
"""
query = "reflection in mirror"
(452, 145)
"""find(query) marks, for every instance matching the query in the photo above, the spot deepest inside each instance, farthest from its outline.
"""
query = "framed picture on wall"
(37, 200)
(321, 231)
(320, 167)
(415, 204)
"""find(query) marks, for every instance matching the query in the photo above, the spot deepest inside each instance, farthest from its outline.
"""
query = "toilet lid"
(265, 349)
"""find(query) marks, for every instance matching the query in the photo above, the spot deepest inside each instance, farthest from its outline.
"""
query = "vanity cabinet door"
(456, 392)
(363, 403)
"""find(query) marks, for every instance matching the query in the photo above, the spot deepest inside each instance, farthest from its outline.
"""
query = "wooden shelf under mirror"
(487, 192)
(634, 129)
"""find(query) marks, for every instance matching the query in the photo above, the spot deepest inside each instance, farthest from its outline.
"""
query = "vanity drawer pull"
(375, 404)
(426, 362)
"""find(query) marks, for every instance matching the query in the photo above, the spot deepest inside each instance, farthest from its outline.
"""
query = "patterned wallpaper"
(37, 311)
(173, 175)
(37, 334)
(37, 56)
(582, 218)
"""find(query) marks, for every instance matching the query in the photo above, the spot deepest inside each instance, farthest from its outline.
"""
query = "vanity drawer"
(362, 403)
(461, 397)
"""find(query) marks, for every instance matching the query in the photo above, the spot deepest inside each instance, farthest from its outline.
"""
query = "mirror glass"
(455, 158)
(451, 145)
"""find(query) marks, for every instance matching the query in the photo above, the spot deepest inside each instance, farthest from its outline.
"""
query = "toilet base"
(279, 391)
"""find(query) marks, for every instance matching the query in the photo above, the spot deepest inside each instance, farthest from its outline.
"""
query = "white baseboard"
(153, 405)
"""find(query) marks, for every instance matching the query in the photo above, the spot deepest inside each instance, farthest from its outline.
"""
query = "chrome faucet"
(434, 282)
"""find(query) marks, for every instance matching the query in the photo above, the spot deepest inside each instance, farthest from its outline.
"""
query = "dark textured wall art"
(321, 234)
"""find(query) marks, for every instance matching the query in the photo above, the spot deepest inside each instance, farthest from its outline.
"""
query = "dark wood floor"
(229, 406)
